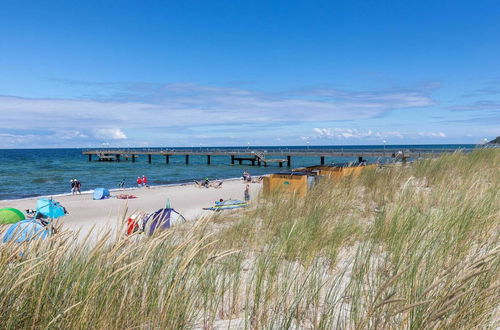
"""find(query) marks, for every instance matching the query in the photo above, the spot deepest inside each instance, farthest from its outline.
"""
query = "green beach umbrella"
(10, 215)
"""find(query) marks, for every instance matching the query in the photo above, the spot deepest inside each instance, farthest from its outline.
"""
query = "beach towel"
(125, 196)
(227, 205)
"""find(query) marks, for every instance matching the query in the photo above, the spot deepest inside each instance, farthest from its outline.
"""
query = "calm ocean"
(36, 172)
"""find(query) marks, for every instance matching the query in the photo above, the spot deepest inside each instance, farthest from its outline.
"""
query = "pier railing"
(259, 156)
(280, 151)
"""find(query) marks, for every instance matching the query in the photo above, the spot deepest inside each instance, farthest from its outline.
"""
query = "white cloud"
(109, 134)
(352, 133)
(391, 134)
(70, 134)
(432, 134)
(139, 110)
(185, 104)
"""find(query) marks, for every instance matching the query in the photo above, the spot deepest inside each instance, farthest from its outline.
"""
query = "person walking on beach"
(144, 181)
(78, 187)
(247, 192)
(139, 182)
(247, 177)
(121, 185)
(73, 189)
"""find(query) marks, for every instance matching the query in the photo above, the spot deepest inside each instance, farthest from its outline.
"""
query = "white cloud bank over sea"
(178, 113)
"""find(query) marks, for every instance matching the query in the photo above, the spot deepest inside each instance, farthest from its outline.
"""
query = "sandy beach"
(86, 213)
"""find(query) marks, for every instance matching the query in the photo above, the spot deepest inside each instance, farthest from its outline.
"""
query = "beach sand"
(86, 213)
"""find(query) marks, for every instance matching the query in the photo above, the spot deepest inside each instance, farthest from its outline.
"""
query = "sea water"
(40, 172)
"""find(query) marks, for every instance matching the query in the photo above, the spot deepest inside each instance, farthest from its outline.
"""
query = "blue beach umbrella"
(26, 230)
(50, 208)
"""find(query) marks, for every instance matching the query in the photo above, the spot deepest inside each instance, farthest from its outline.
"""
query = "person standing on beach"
(78, 187)
(121, 185)
(247, 192)
(144, 181)
(247, 177)
(73, 190)
(139, 182)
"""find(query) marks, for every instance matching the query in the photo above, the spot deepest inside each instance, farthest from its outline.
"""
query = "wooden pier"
(260, 157)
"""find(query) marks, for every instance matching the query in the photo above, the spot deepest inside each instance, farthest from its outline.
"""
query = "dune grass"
(411, 246)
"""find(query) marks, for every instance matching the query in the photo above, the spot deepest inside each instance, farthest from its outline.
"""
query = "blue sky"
(185, 73)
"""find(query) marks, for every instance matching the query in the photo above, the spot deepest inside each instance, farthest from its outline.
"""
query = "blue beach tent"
(101, 193)
(50, 208)
(26, 230)
(162, 219)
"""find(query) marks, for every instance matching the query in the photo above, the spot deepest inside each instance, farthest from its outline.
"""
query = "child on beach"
(139, 182)
(144, 181)
(73, 190)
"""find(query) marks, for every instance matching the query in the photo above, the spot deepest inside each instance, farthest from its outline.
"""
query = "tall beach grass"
(412, 246)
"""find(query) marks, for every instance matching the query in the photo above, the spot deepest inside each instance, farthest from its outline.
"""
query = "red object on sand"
(134, 222)
(132, 226)
(125, 196)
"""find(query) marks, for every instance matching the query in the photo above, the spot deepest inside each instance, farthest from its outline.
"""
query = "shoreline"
(89, 192)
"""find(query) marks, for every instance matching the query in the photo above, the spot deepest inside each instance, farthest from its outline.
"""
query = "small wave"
(43, 180)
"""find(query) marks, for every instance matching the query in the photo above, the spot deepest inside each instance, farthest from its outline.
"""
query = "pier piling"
(167, 159)
(208, 159)
(288, 161)
(322, 160)
(187, 159)
(149, 159)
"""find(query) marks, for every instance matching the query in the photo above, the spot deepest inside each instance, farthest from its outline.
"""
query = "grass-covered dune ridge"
(414, 246)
